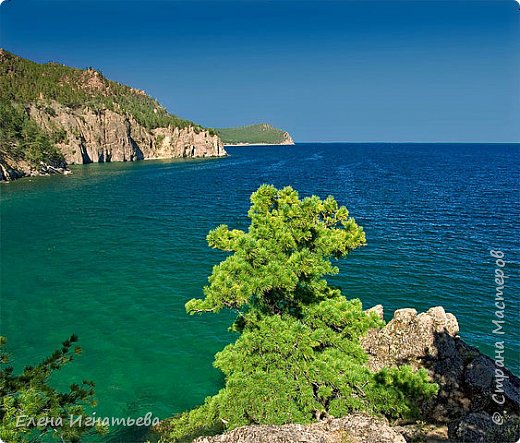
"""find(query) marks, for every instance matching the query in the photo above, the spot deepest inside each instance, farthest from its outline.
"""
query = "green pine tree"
(298, 357)
(31, 408)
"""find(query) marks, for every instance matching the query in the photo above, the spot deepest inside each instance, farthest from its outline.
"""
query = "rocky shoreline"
(12, 169)
(478, 400)
(54, 115)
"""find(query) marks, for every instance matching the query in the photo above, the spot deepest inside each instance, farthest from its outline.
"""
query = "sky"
(364, 70)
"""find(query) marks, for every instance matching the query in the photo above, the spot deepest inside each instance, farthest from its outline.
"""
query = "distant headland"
(260, 134)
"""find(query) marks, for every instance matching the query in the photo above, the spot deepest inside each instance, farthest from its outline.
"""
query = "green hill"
(254, 135)
(23, 82)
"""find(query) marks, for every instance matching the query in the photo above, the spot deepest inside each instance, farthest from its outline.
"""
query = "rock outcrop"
(89, 136)
(105, 135)
(477, 397)
(287, 139)
(355, 428)
(12, 168)
(7, 170)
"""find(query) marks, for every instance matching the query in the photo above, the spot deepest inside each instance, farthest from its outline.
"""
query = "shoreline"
(9, 174)
(259, 144)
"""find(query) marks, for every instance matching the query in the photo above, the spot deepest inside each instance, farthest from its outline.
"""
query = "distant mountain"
(52, 115)
(261, 134)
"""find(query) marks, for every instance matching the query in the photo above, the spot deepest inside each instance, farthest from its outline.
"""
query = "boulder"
(467, 379)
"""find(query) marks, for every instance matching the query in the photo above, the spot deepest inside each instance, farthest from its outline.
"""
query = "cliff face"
(287, 139)
(478, 398)
(90, 136)
(105, 136)
(52, 115)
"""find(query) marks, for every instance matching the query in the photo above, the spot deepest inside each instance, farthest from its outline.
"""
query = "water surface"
(114, 251)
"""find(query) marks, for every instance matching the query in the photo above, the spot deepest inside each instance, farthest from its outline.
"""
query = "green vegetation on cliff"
(22, 139)
(23, 81)
(254, 134)
(298, 356)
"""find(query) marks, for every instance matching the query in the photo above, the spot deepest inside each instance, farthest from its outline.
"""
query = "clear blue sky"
(323, 70)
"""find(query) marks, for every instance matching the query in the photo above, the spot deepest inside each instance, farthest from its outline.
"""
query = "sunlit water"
(114, 251)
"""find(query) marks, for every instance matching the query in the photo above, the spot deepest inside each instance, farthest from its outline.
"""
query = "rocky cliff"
(52, 115)
(478, 398)
(104, 136)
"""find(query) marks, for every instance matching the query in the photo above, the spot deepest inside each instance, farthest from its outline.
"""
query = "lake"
(113, 252)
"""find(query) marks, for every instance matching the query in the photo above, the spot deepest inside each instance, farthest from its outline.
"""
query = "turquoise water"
(114, 251)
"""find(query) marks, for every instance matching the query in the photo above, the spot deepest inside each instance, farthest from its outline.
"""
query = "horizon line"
(417, 142)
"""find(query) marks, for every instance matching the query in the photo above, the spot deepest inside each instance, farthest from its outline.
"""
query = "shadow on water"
(132, 434)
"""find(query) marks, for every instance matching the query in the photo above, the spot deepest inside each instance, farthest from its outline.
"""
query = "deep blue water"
(114, 251)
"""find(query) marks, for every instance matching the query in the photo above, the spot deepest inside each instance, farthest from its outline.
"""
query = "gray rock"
(355, 428)
(481, 378)
(466, 378)
(411, 338)
(106, 135)
(480, 427)
(378, 310)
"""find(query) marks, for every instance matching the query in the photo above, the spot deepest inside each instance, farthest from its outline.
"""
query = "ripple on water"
(114, 251)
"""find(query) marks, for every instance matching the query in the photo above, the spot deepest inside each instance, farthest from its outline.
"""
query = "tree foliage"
(278, 265)
(21, 138)
(31, 408)
(253, 134)
(298, 357)
(23, 81)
